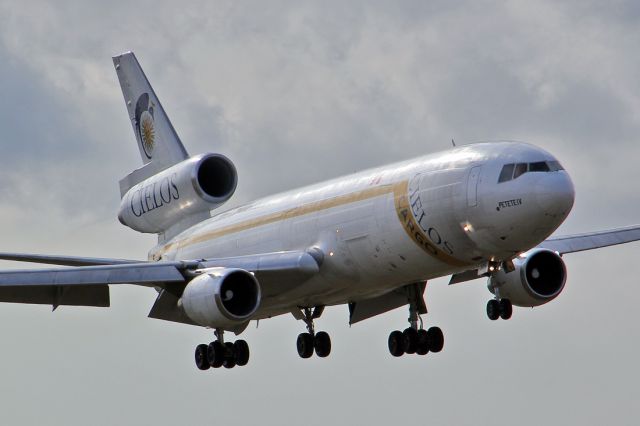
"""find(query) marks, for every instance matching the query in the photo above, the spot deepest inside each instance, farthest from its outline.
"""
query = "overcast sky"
(294, 93)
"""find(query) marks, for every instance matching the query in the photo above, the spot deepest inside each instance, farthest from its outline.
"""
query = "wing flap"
(368, 308)
(79, 295)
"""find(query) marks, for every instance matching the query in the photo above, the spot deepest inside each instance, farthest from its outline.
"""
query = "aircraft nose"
(555, 194)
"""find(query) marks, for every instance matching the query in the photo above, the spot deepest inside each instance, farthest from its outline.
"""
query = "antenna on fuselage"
(453, 142)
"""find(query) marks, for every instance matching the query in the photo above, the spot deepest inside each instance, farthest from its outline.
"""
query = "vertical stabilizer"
(159, 144)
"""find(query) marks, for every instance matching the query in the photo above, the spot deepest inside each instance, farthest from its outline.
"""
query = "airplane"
(370, 240)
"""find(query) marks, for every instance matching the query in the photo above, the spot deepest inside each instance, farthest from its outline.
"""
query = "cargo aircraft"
(370, 240)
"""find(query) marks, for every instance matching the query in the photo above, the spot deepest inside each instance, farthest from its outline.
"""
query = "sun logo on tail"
(145, 125)
(147, 133)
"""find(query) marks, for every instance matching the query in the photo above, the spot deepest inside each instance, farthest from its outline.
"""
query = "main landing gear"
(311, 341)
(222, 354)
(415, 339)
(499, 308)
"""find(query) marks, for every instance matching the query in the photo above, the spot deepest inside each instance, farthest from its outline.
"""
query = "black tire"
(229, 356)
(506, 309)
(322, 344)
(305, 345)
(493, 309)
(241, 352)
(201, 357)
(410, 340)
(422, 347)
(436, 339)
(396, 343)
(215, 354)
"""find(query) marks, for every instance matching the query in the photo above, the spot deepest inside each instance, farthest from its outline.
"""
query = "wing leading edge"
(592, 240)
(571, 244)
(64, 260)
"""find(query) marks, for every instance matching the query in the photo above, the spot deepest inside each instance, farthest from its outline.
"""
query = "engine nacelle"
(193, 186)
(539, 277)
(221, 297)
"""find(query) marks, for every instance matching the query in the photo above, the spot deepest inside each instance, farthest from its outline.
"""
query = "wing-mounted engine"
(190, 188)
(538, 278)
(221, 297)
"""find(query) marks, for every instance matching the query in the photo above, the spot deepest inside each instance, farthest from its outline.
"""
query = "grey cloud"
(297, 92)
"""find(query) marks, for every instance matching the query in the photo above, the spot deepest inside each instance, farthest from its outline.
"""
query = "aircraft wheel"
(305, 345)
(493, 309)
(506, 309)
(322, 344)
(229, 356)
(422, 346)
(241, 352)
(435, 338)
(201, 357)
(396, 343)
(215, 354)
(410, 340)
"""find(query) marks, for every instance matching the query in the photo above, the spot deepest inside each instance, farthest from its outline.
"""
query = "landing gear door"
(472, 186)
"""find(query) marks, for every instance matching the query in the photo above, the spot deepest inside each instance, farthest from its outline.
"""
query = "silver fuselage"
(394, 225)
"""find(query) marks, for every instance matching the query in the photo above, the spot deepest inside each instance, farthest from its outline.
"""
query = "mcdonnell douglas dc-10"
(370, 240)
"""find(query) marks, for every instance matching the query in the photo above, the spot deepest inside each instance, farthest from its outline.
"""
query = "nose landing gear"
(499, 308)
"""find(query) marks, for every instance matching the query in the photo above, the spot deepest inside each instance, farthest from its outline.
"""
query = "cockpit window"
(555, 166)
(521, 168)
(513, 171)
(506, 173)
(540, 166)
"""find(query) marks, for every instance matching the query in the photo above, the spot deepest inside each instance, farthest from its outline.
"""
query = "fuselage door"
(472, 186)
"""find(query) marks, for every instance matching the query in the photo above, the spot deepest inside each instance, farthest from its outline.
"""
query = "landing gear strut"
(415, 339)
(311, 341)
(221, 354)
(499, 307)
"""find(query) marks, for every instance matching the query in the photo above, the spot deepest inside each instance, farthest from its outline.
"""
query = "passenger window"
(506, 173)
(540, 166)
(521, 168)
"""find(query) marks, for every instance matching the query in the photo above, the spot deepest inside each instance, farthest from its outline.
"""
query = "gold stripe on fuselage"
(414, 230)
(401, 204)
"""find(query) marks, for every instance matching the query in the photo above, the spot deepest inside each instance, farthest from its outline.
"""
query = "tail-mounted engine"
(194, 186)
(221, 297)
(538, 278)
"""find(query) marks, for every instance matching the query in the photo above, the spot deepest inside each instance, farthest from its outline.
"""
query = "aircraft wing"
(592, 240)
(84, 281)
(571, 244)
(91, 270)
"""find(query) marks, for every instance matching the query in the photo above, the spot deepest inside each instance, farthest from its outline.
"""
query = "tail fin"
(159, 144)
